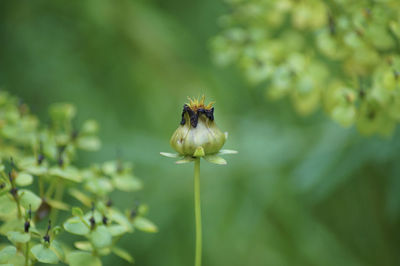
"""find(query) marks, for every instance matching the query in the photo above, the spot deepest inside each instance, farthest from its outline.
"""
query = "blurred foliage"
(302, 190)
(39, 160)
(341, 55)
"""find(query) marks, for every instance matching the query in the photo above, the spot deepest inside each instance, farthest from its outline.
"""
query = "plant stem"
(197, 209)
(27, 254)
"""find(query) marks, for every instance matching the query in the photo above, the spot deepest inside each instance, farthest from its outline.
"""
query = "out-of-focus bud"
(198, 135)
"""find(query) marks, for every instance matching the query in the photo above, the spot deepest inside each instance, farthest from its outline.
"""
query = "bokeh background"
(302, 191)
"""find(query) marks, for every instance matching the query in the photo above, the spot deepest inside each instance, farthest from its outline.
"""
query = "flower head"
(198, 134)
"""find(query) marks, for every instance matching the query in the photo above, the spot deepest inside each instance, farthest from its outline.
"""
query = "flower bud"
(198, 135)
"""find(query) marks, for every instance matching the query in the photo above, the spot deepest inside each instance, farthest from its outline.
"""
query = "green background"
(301, 191)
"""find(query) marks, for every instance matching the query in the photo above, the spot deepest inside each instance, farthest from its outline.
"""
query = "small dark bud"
(60, 162)
(105, 220)
(109, 203)
(46, 238)
(14, 191)
(74, 134)
(27, 225)
(40, 159)
(133, 214)
(2, 185)
(92, 223)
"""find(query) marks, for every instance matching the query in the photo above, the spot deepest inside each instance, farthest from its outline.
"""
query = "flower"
(198, 135)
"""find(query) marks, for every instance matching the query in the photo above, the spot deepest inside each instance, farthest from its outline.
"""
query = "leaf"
(100, 237)
(89, 143)
(223, 152)
(28, 198)
(18, 237)
(121, 219)
(58, 204)
(44, 254)
(127, 183)
(123, 254)
(79, 258)
(57, 248)
(83, 245)
(80, 196)
(90, 127)
(99, 186)
(186, 159)
(7, 205)
(76, 226)
(145, 225)
(69, 173)
(169, 155)
(7, 253)
(215, 159)
(116, 229)
(76, 211)
(24, 179)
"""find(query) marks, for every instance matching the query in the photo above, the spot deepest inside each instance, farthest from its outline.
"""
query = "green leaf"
(116, 229)
(120, 219)
(76, 226)
(187, 159)
(99, 186)
(123, 254)
(28, 198)
(223, 152)
(24, 179)
(80, 196)
(169, 155)
(79, 258)
(7, 253)
(89, 143)
(83, 245)
(215, 159)
(7, 205)
(44, 254)
(127, 183)
(58, 204)
(145, 225)
(69, 173)
(57, 248)
(18, 237)
(76, 211)
(100, 237)
(90, 127)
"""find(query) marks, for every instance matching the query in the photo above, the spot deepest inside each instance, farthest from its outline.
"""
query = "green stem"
(27, 254)
(58, 197)
(197, 209)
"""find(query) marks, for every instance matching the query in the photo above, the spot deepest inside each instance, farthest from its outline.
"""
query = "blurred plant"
(45, 156)
(341, 54)
(198, 137)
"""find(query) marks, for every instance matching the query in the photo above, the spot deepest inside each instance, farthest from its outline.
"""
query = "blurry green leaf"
(6, 253)
(100, 237)
(222, 152)
(123, 254)
(187, 159)
(76, 226)
(89, 143)
(61, 112)
(127, 183)
(29, 199)
(99, 186)
(215, 159)
(121, 220)
(169, 155)
(23, 179)
(7, 205)
(116, 229)
(12, 224)
(69, 173)
(80, 258)
(80, 196)
(83, 245)
(76, 211)
(57, 204)
(18, 237)
(57, 248)
(145, 225)
(90, 127)
(44, 254)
